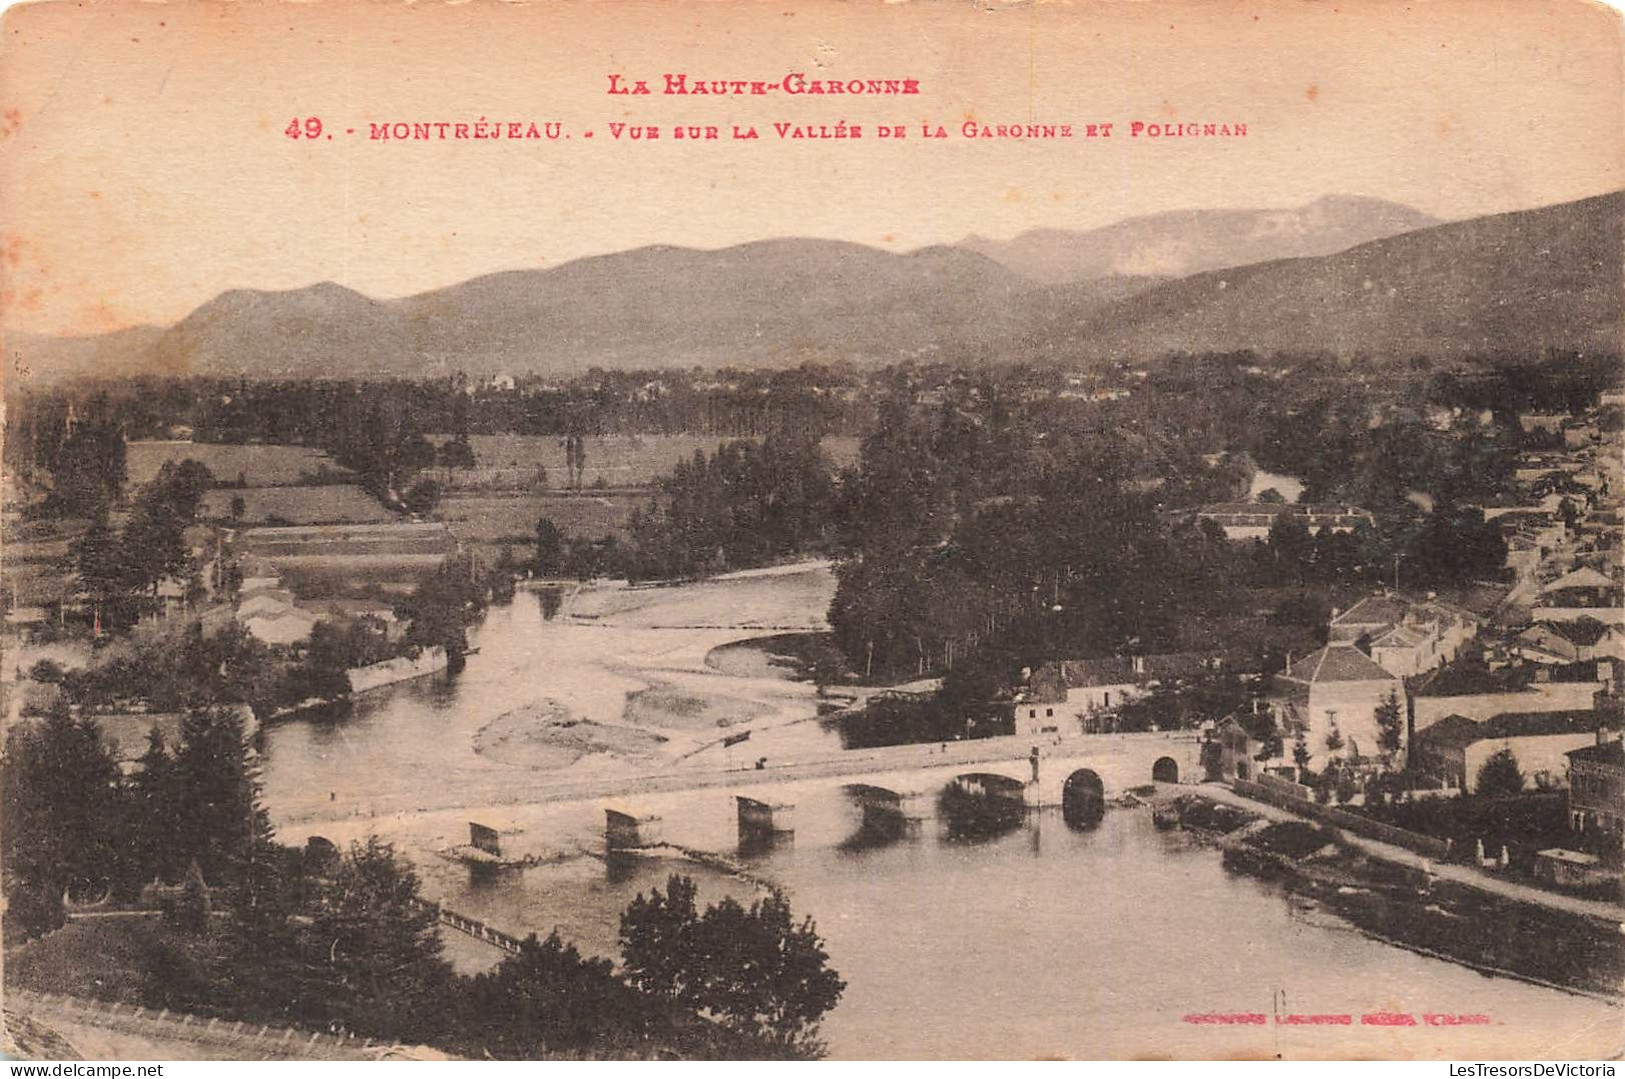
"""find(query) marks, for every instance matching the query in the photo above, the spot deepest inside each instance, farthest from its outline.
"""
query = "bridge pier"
(762, 825)
(628, 829)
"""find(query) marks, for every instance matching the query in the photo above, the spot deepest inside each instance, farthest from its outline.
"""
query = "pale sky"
(143, 166)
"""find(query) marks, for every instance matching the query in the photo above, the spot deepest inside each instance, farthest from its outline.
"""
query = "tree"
(101, 570)
(767, 975)
(1499, 775)
(754, 970)
(87, 469)
(658, 949)
(1334, 738)
(190, 909)
(457, 453)
(372, 956)
(1289, 544)
(1390, 717)
(438, 611)
(549, 999)
(152, 806)
(422, 497)
(59, 802)
(549, 548)
(1300, 752)
(221, 824)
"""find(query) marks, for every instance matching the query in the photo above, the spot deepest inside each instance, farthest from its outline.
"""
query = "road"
(1460, 874)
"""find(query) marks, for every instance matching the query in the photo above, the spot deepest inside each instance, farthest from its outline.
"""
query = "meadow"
(616, 461)
(259, 465)
(493, 519)
(333, 504)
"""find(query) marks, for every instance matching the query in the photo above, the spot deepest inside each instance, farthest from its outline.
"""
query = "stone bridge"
(898, 786)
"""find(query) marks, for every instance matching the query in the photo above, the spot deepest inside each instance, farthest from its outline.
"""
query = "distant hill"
(1141, 251)
(771, 303)
(47, 358)
(1509, 283)
(1517, 282)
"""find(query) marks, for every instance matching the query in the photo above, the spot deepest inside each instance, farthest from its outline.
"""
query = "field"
(511, 461)
(502, 461)
(495, 519)
(259, 465)
(336, 504)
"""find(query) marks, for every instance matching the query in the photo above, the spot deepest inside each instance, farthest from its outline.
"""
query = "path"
(1460, 874)
(110, 1031)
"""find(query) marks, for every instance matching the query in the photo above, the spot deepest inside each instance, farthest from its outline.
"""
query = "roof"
(1608, 753)
(1452, 731)
(1457, 680)
(1337, 663)
(1275, 509)
(1584, 631)
(1525, 724)
(281, 614)
(1398, 637)
(1572, 857)
(1374, 611)
(1584, 577)
(1457, 732)
(1121, 670)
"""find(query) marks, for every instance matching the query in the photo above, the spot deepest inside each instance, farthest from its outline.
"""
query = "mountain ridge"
(1508, 282)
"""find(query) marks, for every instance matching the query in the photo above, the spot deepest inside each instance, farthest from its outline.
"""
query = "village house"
(1523, 554)
(1597, 787)
(1253, 520)
(353, 610)
(1337, 686)
(284, 626)
(1579, 433)
(1455, 748)
(1229, 751)
(1562, 643)
(1580, 589)
(1549, 422)
(1481, 695)
(1546, 530)
(1405, 637)
(1075, 696)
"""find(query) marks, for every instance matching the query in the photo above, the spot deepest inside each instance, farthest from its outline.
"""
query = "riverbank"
(1408, 903)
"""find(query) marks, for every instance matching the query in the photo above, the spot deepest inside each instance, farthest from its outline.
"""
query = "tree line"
(343, 940)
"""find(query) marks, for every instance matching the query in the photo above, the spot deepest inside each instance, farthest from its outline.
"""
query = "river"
(1042, 941)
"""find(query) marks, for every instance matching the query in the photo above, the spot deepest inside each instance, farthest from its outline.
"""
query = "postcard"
(732, 530)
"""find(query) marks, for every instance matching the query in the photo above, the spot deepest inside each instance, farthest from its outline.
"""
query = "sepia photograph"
(727, 530)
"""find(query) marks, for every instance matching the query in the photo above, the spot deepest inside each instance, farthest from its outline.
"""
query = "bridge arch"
(1165, 770)
(885, 816)
(978, 805)
(1083, 799)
